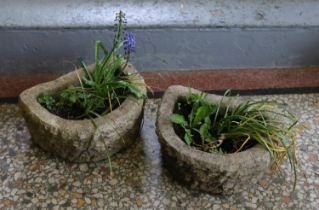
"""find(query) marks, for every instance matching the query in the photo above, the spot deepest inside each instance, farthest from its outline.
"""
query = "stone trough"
(211, 172)
(82, 140)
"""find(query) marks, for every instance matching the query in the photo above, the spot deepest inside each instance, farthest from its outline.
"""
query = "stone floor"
(33, 179)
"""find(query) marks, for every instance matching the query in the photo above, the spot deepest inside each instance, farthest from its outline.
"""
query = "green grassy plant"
(219, 128)
(101, 90)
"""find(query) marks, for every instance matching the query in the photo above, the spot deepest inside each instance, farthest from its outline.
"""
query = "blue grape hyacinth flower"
(129, 43)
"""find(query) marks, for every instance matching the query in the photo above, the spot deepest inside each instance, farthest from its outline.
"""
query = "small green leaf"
(201, 113)
(64, 95)
(90, 83)
(188, 137)
(47, 101)
(73, 99)
(208, 121)
(133, 89)
(136, 92)
(178, 119)
(204, 130)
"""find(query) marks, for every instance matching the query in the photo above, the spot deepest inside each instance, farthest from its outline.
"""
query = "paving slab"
(31, 178)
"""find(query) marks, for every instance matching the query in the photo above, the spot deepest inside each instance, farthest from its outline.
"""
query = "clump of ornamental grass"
(103, 89)
(217, 127)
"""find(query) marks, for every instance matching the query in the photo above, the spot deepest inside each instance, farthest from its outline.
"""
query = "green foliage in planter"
(106, 86)
(198, 120)
(46, 101)
(209, 127)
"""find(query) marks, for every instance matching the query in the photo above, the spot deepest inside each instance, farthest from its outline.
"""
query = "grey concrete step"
(159, 13)
(44, 36)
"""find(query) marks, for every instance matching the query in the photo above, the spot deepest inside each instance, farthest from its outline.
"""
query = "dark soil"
(227, 145)
(66, 112)
(75, 112)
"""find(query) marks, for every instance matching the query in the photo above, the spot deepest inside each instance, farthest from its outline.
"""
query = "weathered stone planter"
(214, 173)
(79, 140)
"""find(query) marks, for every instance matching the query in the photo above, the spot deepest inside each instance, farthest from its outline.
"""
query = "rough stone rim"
(81, 138)
(199, 158)
(29, 98)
